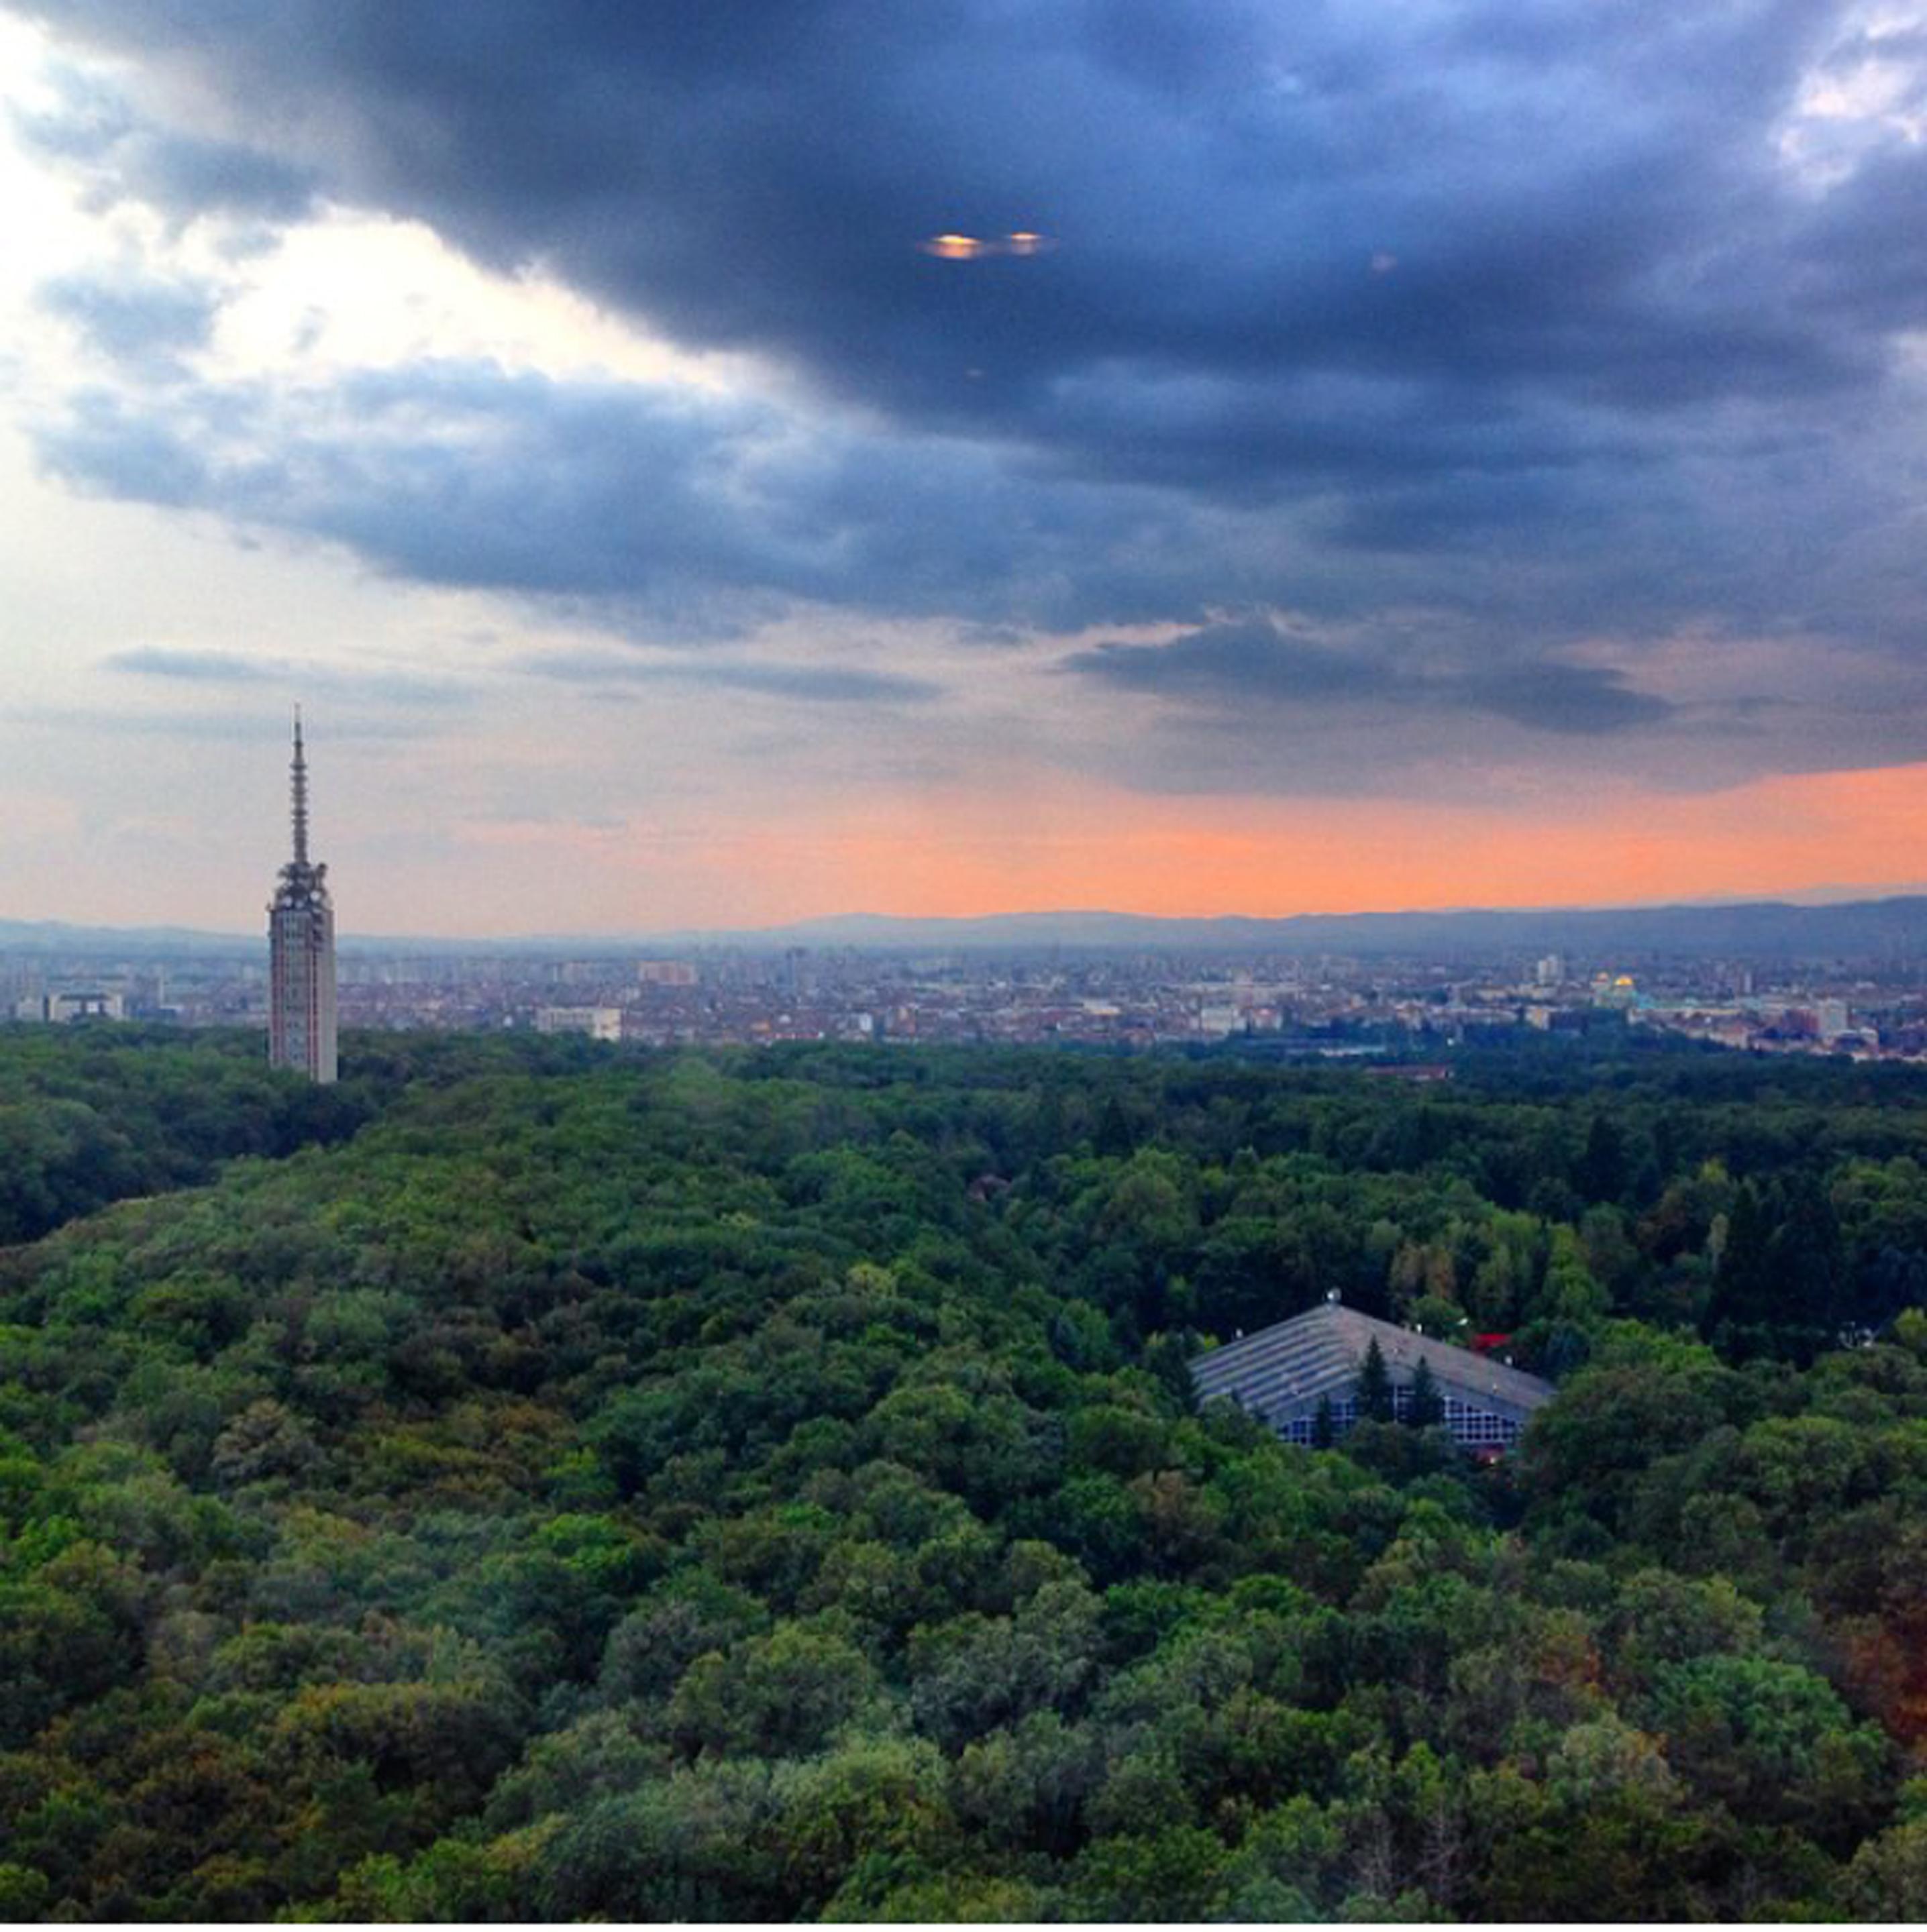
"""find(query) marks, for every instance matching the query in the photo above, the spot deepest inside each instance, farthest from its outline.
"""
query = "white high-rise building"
(301, 951)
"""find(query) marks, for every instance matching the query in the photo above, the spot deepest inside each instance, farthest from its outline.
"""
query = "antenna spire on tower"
(300, 773)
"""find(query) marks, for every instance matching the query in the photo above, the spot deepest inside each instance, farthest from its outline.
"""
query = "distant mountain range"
(1870, 928)
(134, 942)
(1882, 928)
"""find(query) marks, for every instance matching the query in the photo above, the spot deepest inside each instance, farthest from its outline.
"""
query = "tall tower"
(301, 951)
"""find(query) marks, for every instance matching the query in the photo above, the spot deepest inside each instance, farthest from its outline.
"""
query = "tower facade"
(301, 951)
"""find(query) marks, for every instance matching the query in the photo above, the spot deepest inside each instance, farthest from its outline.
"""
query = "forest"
(537, 1480)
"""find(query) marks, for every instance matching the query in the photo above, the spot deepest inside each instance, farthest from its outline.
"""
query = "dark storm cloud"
(1227, 669)
(1564, 697)
(1862, 254)
(1229, 663)
(188, 176)
(676, 512)
(1574, 205)
(1480, 330)
(675, 507)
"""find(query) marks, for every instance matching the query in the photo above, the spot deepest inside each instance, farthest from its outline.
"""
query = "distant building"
(1614, 989)
(1282, 1375)
(598, 1022)
(301, 951)
(64, 1008)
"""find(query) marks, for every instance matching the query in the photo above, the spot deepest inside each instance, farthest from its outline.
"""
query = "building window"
(1471, 1426)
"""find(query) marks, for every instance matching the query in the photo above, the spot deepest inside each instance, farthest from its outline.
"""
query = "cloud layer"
(1437, 367)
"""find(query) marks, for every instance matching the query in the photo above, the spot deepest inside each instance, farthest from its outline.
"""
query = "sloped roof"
(1318, 1353)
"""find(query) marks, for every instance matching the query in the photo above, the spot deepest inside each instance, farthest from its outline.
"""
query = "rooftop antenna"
(300, 774)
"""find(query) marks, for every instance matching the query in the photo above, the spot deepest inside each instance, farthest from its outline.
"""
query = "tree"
(1777, 1290)
(1375, 1399)
(1888, 1878)
(1324, 1425)
(1427, 1408)
(785, 1695)
(1601, 1175)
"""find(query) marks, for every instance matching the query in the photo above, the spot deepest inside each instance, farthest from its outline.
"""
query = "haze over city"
(713, 467)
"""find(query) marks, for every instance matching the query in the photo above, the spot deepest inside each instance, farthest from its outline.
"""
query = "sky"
(1348, 455)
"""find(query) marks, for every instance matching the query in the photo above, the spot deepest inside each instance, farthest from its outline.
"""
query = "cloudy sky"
(1416, 452)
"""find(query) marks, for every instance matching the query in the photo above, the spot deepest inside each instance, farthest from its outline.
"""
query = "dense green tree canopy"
(535, 1480)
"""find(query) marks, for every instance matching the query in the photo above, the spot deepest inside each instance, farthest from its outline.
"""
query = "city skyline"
(1175, 460)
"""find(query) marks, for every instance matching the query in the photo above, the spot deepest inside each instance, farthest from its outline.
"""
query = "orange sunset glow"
(959, 854)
